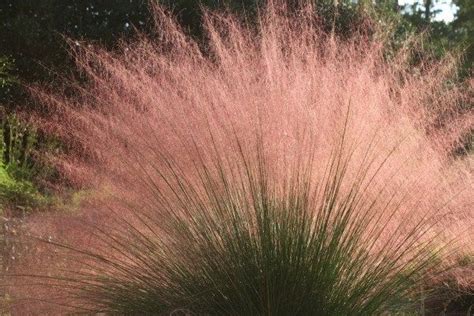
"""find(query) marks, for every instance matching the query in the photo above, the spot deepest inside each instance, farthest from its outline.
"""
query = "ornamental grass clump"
(236, 244)
(274, 170)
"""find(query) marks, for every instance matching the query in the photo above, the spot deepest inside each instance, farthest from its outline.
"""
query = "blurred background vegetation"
(33, 51)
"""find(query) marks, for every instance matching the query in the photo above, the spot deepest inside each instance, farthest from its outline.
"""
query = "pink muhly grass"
(278, 113)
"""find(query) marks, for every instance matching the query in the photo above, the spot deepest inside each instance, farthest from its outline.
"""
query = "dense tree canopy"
(464, 26)
(32, 32)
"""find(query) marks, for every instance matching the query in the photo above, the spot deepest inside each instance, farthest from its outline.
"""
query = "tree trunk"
(6, 141)
(428, 5)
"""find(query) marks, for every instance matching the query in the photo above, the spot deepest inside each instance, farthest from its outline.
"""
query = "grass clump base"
(240, 247)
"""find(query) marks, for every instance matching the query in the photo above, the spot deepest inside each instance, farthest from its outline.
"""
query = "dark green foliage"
(6, 78)
(464, 27)
(32, 32)
(19, 170)
(17, 146)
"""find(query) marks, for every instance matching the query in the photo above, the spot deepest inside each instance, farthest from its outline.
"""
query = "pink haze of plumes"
(166, 104)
